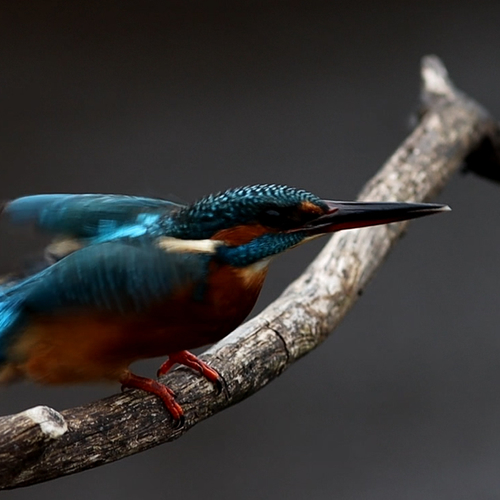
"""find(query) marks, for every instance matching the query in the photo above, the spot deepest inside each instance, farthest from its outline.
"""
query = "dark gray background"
(187, 97)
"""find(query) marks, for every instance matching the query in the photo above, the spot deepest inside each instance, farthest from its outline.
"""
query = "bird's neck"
(259, 249)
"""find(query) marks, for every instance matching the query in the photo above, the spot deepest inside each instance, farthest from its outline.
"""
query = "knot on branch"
(52, 423)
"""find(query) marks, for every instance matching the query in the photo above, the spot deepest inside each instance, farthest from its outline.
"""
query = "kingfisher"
(129, 278)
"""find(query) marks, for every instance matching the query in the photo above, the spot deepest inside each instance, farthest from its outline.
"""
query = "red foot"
(160, 390)
(190, 360)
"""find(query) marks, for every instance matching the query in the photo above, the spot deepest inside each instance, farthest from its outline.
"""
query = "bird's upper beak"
(348, 215)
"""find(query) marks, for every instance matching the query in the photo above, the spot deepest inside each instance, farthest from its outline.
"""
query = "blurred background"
(182, 98)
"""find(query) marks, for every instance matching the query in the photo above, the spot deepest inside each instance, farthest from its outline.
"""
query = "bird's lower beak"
(348, 215)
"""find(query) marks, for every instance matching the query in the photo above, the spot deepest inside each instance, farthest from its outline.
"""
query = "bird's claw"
(162, 391)
(179, 422)
(218, 385)
(191, 361)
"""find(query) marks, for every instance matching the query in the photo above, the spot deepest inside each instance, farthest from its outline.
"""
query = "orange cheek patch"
(308, 206)
(239, 235)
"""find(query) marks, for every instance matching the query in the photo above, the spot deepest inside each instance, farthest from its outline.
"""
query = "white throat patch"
(170, 244)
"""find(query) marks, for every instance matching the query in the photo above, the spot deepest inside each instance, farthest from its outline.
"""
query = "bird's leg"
(128, 379)
(191, 361)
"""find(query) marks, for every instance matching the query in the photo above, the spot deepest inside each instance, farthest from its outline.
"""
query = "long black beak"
(352, 214)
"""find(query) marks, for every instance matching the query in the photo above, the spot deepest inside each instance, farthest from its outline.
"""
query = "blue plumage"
(90, 215)
(113, 276)
(258, 249)
(11, 320)
(118, 277)
(98, 218)
(236, 206)
(118, 266)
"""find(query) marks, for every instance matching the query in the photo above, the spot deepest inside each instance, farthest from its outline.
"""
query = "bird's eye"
(279, 219)
(273, 214)
(285, 218)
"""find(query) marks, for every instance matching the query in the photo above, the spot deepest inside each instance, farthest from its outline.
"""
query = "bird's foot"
(128, 379)
(191, 361)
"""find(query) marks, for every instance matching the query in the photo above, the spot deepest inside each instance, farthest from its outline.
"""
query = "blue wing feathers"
(114, 276)
(11, 320)
(117, 277)
(120, 269)
(86, 215)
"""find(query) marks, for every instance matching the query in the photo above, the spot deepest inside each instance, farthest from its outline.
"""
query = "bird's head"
(255, 222)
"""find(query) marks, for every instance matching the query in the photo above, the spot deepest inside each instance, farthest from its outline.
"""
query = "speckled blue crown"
(237, 206)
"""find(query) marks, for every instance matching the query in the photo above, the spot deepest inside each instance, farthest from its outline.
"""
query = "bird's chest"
(232, 292)
(202, 314)
(216, 305)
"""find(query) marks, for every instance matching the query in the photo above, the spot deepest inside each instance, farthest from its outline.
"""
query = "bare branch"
(41, 444)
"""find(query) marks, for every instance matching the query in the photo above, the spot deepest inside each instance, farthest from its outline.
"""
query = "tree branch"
(41, 444)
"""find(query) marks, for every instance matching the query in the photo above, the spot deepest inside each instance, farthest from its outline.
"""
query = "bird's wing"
(87, 216)
(115, 276)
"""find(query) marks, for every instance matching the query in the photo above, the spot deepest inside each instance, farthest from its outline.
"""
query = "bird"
(129, 278)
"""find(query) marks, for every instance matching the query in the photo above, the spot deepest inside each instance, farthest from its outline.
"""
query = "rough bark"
(41, 444)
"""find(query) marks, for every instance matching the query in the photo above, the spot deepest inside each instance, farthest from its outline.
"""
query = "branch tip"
(435, 81)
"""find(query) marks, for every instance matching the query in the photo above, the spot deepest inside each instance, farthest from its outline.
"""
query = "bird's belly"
(69, 348)
(84, 346)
